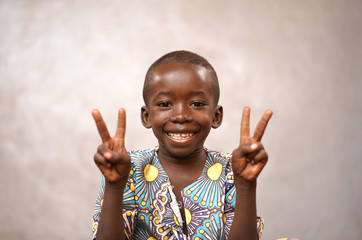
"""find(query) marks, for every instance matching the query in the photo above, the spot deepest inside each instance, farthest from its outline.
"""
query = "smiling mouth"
(180, 136)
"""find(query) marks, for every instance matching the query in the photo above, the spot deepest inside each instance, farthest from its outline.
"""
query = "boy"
(179, 190)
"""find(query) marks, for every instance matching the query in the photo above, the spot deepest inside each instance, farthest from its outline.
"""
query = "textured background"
(60, 59)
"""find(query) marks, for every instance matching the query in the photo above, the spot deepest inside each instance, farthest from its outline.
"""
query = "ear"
(218, 115)
(145, 117)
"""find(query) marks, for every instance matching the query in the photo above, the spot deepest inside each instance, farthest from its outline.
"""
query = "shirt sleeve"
(97, 211)
(129, 206)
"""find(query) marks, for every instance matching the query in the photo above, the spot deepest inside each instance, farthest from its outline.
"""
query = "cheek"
(206, 118)
(157, 125)
(158, 119)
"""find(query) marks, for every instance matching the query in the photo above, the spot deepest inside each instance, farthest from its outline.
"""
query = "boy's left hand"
(249, 159)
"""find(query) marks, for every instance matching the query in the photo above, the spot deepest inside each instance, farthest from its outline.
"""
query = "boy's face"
(181, 108)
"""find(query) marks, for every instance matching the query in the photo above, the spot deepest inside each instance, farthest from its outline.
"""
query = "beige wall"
(60, 59)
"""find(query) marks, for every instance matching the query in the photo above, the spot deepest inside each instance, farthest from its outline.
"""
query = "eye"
(197, 104)
(164, 104)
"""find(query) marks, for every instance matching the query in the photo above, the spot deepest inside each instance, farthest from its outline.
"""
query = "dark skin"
(114, 162)
(180, 101)
(181, 110)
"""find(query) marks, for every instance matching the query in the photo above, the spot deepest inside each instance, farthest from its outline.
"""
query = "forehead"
(181, 77)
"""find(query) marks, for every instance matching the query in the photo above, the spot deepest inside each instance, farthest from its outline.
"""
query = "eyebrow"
(193, 93)
(162, 93)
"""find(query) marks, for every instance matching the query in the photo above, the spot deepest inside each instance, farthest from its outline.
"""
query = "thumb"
(245, 149)
(117, 157)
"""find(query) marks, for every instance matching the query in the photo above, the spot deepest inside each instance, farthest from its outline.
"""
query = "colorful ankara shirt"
(150, 209)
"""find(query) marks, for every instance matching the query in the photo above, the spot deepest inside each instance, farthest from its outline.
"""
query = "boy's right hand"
(112, 158)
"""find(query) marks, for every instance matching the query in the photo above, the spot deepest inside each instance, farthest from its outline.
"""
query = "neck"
(182, 170)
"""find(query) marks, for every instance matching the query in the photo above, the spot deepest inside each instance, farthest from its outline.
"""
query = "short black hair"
(182, 56)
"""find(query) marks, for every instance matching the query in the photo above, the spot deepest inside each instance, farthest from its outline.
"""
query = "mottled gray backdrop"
(59, 59)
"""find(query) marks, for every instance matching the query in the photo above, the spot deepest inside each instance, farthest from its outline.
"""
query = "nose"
(180, 114)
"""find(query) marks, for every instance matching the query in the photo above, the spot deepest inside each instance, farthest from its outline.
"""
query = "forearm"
(111, 220)
(244, 226)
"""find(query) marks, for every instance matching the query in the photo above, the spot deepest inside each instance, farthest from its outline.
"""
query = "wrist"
(246, 187)
(116, 186)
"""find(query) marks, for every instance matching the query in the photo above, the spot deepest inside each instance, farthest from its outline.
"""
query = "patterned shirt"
(150, 208)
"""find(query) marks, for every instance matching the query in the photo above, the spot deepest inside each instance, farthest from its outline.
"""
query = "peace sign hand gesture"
(112, 158)
(249, 159)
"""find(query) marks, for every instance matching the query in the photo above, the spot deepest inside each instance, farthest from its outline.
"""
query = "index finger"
(260, 128)
(101, 126)
(121, 125)
(245, 127)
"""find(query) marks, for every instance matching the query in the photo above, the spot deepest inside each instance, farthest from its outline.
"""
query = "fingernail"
(108, 155)
(254, 146)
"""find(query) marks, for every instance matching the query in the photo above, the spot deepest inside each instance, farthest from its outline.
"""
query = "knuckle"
(260, 146)
(98, 158)
(99, 149)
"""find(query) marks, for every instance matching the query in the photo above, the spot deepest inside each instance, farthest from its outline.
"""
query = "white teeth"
(180, 136)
